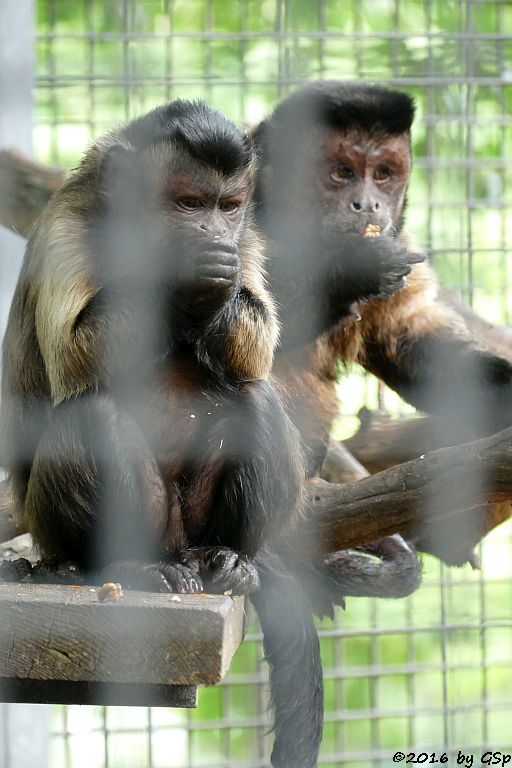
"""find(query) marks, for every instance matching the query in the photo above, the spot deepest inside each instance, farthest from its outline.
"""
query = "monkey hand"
(208, 274)
(378, 267)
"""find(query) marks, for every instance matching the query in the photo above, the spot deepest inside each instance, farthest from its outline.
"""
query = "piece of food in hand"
(372, 230)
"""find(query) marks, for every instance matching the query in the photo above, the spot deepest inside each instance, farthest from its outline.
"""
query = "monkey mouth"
(372, 228)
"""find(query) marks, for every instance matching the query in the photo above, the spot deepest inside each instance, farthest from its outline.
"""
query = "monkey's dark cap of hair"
(338, 104)
(206, 133)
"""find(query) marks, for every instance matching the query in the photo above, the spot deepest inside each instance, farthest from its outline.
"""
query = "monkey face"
(177, 222)
(202, 216)
(363, 180)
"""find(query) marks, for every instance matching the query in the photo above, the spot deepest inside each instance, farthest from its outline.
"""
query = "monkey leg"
(95, 496)
(248, 475)
(253, 452)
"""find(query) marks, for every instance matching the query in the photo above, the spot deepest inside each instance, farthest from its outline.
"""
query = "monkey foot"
(50, 572)
(182, 578)
(15, 570)
(222, 569)
(131, 574)
(151, 577)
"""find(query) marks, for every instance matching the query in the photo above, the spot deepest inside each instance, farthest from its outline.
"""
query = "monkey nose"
(365, 205)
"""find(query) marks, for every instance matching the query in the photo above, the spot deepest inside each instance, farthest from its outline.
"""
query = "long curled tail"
(292, 649)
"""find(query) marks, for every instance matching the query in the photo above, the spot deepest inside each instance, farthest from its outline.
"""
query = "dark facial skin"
(182, 229)
(208, 221)
(363, 180)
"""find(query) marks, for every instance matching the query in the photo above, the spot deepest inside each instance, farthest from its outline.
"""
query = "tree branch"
(383, 442)
(446, 501)
(413, 497)
(25, 188)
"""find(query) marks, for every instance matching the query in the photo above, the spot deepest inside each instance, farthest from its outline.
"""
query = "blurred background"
(430, 673)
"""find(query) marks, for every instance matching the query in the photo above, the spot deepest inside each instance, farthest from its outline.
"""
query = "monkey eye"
(382, 174)
(342, 173)
(228, 206)
(189, 203)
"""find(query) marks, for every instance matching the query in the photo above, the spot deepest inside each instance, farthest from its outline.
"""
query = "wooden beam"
(130, 650)
(26, 691)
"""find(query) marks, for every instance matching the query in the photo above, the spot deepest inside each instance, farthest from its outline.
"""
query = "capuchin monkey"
(142, 437)
(335, 165)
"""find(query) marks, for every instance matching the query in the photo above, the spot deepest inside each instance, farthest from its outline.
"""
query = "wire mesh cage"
(430, 674)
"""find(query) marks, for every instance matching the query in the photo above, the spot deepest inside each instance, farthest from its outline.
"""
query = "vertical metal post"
(16, 81)
(24, 728)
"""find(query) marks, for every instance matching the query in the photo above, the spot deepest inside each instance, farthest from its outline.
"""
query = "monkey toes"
(181, 578)
(223, 569)
(15, 570)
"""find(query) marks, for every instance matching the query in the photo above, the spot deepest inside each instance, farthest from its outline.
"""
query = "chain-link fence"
(430, 674)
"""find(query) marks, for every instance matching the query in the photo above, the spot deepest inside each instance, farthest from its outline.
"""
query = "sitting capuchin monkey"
(332, 183)
(143, 439)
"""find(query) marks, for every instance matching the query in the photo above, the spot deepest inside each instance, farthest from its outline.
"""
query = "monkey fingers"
(223, 569)
(181, 577)
(215, 283)
(394, 264)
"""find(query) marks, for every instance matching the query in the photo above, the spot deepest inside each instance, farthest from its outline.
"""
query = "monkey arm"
(117, 334)
(242, 337)
(334, 275)
(444, 374)
(423, 350)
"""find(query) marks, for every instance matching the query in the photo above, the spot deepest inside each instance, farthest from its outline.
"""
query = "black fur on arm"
(445, 374)
(317, 284)
(212, 346)
(122, 328)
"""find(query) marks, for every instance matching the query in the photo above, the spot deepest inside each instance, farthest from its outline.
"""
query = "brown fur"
(336, 159)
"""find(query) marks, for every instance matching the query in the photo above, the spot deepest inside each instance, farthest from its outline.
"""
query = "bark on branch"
(25, 188)
(383, 442)
(448, 484)
(446, 501)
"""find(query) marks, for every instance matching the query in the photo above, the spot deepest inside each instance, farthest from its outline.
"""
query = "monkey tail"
(292, 650)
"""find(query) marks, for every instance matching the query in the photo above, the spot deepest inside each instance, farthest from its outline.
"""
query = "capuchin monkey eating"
(335, 165)
(142, 437)
(136, 361)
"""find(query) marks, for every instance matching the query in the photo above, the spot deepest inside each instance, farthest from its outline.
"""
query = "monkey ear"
(258, 136)
(266, 179)
(113, 166)
(266, 172)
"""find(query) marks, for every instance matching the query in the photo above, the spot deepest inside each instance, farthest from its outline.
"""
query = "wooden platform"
(60, 644)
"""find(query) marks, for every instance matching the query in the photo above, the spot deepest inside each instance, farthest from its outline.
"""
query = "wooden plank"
(17, 690)
(64, 633)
